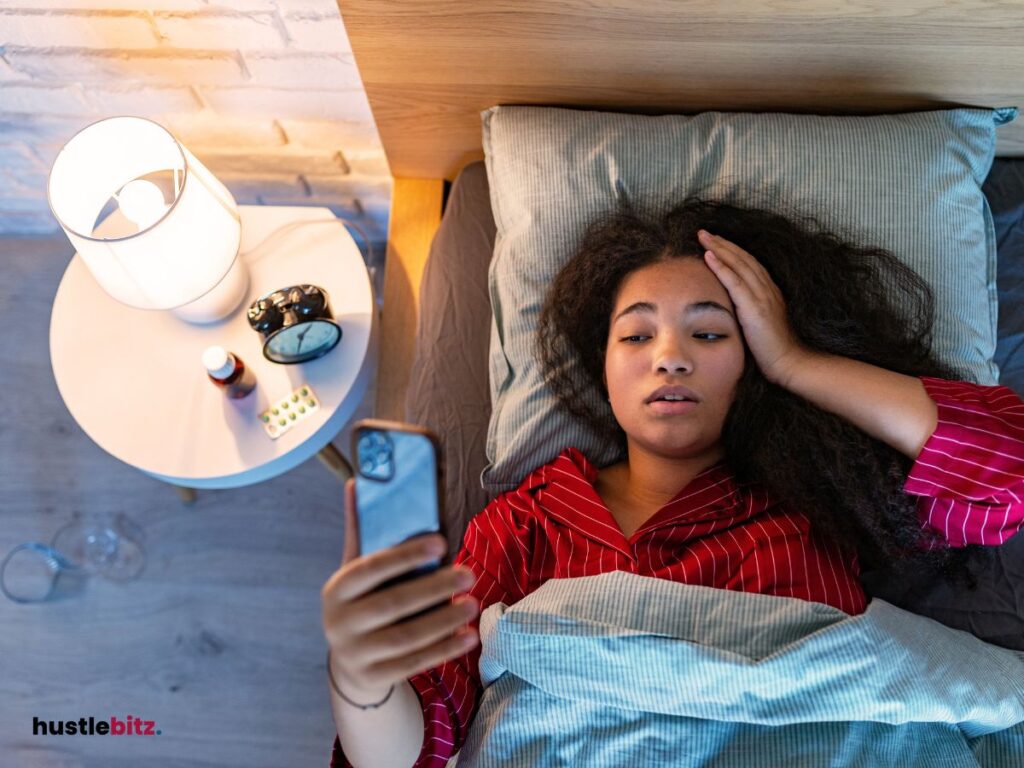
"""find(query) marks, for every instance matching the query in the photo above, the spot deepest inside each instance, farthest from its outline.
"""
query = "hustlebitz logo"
(129, 726)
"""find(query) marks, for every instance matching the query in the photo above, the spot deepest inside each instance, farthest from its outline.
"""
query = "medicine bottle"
(228, 372)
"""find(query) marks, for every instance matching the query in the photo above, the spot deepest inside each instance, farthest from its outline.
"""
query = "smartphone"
(398, 477)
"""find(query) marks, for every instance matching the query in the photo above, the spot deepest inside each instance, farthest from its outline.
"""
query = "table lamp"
(154, 227)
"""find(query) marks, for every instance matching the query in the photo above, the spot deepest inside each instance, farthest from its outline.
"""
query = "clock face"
(303, 341)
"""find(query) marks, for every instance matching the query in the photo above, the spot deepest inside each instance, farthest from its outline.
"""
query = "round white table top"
(135, 382)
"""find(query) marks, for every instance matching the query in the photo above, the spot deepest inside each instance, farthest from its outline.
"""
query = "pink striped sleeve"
(970, 472)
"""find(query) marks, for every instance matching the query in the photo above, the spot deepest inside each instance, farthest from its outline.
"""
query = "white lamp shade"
(153, 251)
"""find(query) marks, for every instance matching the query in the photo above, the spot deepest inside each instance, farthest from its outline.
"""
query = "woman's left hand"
(759, 305)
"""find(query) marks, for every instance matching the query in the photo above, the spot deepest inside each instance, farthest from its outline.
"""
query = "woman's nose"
(671, 354)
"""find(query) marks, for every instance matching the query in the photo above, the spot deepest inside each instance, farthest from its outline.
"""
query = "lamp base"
(222, 300)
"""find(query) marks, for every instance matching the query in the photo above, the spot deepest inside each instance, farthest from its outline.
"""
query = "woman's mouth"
(672, 406)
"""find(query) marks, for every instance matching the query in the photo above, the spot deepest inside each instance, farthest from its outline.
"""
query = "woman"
(819, 430)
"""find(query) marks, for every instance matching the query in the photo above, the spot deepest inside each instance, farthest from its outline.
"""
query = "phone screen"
(396, 489)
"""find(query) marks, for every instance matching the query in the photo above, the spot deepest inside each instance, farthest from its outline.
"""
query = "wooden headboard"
(431, 66)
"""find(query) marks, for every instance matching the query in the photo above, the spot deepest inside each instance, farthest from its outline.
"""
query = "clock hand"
(302, 336)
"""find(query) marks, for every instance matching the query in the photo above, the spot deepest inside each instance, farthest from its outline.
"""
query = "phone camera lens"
(375, 455)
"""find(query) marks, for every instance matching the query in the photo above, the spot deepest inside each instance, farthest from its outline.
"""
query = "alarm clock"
(296, 324)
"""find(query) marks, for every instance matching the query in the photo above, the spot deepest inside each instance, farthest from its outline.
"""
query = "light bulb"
(142, 202)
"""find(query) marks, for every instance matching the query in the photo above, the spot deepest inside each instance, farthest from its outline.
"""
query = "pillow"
(908, 182)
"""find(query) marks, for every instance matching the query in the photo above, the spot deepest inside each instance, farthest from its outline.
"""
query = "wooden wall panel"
(431, 66)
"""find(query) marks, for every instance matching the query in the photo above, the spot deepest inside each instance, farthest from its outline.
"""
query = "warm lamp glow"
(155, 228)
(142, 202)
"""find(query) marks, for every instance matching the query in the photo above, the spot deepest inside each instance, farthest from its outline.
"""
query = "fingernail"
(435, 547)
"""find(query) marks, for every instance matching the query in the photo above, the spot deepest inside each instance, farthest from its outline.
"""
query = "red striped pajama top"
(715, 533)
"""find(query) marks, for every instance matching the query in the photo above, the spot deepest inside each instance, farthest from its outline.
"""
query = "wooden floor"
(219, 641)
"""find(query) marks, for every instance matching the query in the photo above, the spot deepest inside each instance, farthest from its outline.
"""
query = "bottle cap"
(219, 362)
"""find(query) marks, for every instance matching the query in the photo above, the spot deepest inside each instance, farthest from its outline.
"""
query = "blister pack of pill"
(289, 411)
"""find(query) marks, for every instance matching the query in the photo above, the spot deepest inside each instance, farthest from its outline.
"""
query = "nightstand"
(134, 379)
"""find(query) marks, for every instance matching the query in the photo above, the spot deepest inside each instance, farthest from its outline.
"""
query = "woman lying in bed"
(779, 418)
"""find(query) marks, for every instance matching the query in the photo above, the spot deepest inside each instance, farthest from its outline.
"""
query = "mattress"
(449, 392)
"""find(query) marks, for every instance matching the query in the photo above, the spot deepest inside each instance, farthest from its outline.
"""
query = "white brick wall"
(264, 92)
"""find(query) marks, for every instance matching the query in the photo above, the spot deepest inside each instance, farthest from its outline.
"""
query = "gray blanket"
(620, 669)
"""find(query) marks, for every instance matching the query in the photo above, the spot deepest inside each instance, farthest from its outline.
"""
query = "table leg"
(188, 495)
(336, 462)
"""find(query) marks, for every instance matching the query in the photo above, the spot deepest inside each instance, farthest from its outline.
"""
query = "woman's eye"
(631, 339)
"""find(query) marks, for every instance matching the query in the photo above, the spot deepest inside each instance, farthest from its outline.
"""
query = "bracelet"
(337, 690)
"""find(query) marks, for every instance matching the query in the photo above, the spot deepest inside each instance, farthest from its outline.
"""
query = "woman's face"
(656, 339)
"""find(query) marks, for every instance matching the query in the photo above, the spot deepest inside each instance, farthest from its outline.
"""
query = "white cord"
(296, 224)
(333, 220)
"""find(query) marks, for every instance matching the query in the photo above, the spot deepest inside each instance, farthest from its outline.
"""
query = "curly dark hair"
(838, 299)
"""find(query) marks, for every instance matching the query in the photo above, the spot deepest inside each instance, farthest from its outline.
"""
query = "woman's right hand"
(371, 646)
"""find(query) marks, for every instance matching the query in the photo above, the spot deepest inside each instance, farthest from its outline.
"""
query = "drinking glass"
(99, 544)
(34, 572)
(103, 544)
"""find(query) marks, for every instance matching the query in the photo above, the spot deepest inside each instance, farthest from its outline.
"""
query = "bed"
(430, 70)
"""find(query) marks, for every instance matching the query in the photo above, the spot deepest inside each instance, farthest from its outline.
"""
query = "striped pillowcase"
(909, 182)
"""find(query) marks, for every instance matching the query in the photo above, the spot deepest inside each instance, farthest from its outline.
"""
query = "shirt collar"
(564, 486)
